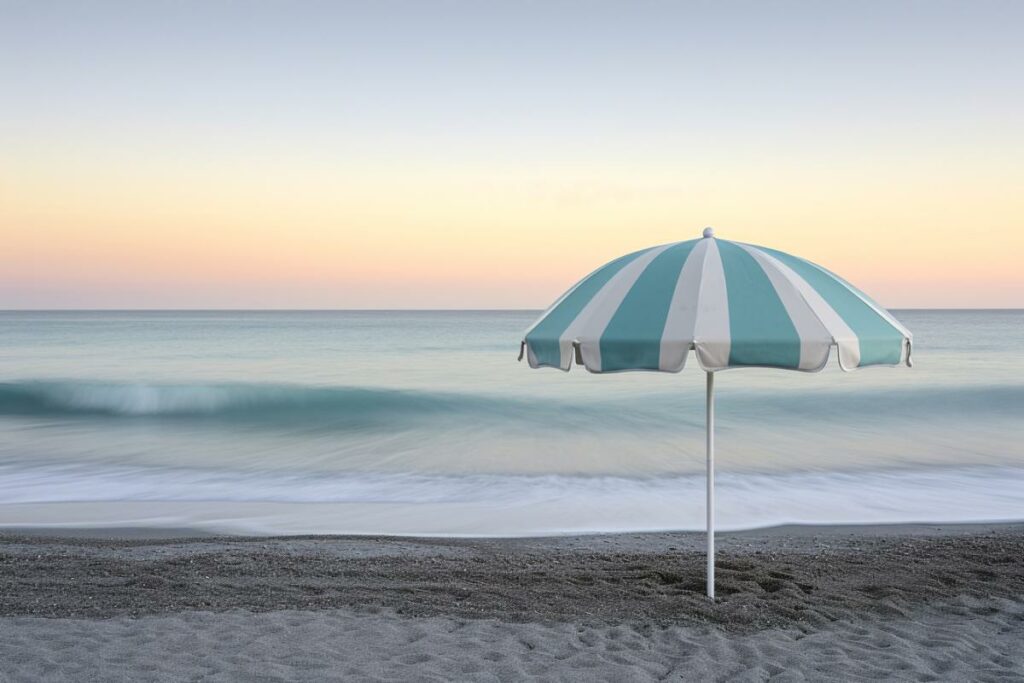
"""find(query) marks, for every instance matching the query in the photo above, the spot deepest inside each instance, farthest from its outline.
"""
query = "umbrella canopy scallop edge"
(734, 304)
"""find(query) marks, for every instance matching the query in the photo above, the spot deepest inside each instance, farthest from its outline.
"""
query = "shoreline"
(543, 518)
(186, 533)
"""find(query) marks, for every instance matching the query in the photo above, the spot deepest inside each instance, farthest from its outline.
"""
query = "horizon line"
(393, 310)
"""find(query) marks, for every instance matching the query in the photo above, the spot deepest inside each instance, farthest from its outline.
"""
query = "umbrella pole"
(711, 483)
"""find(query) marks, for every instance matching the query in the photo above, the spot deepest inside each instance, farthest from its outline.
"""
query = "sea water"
(425, 423)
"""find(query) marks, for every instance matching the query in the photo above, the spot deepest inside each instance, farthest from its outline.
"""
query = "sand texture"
(871, 603)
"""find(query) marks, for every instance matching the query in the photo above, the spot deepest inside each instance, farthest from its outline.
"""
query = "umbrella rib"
(696, 315)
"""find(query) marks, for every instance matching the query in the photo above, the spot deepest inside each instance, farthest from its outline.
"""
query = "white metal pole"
(711, 484)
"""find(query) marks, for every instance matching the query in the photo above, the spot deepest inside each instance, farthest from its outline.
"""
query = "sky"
(467, 154)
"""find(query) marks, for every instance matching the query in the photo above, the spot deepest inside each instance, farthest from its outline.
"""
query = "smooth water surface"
(423, 422)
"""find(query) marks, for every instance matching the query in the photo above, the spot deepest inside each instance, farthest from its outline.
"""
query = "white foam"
(489, 505)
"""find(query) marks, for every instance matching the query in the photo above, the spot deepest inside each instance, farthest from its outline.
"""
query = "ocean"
(423, 422)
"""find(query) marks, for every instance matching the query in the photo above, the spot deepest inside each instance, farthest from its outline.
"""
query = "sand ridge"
(941, 643)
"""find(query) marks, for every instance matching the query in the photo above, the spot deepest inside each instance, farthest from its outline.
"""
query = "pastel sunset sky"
(456, 154)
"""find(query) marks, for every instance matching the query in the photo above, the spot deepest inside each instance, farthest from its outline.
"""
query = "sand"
(812, 603)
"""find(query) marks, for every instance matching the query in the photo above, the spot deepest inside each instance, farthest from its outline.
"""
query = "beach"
(905, 602)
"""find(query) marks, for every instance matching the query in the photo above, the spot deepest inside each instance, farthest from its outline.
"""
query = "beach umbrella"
(735, 305)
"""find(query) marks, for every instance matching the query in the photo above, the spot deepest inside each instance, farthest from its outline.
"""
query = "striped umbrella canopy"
(735, 305)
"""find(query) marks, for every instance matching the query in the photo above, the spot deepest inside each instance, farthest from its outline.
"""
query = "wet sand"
(904, 602)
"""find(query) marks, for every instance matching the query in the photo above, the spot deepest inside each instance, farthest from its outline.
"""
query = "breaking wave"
(237, 402)
(364, 405)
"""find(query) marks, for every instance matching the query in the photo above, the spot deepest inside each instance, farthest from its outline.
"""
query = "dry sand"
(812, 603)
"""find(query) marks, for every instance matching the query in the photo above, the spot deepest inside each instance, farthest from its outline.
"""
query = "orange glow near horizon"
(352, 237)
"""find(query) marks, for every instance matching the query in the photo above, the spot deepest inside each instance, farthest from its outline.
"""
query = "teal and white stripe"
(736, 305)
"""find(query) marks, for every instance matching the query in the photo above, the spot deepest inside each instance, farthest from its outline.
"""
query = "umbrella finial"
(709, 231)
